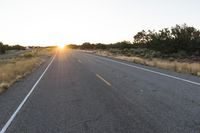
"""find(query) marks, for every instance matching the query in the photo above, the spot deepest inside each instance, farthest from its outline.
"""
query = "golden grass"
(11, 72)
(14, 69)
(182, 67)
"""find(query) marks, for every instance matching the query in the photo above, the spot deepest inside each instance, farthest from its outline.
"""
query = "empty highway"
(76, 92)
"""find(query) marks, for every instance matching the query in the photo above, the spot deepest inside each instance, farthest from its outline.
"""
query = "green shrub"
(28, 55)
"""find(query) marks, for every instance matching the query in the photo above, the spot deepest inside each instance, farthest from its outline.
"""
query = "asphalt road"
(84, 93)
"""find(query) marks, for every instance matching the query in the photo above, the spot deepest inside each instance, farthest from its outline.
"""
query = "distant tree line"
(91, 46)
(5, 47)
(73, 46)
(178, 39)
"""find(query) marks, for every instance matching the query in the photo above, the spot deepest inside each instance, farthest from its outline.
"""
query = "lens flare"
(61, 46)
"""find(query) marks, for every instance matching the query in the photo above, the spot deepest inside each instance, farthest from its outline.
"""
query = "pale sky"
(53, 22)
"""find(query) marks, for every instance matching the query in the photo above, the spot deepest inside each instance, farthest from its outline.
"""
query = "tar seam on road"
(155, 72)
(3, 130)
(103, 79)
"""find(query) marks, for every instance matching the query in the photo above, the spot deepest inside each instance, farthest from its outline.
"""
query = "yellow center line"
(103, 79)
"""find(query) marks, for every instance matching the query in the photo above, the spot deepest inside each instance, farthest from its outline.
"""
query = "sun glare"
(61, 46)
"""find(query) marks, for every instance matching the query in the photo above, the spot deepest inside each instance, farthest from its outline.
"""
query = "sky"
(55, 22)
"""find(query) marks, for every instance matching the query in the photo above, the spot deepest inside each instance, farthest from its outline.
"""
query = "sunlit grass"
(14, 69)
(183, 67)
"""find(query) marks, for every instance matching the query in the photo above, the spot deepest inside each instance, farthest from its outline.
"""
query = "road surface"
(76, 92)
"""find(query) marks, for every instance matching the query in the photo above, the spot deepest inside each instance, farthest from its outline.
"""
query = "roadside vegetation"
(15, 68)
(176, 48)
(6, 47)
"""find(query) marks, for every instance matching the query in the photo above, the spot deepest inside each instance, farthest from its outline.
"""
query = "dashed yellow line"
(109, 84)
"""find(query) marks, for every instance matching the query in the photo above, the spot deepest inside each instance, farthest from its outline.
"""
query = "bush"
(28, 55)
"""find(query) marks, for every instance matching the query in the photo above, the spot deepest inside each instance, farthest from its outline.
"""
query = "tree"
(2, 49)
(141, 37)
(73, 46)
(178, 38)
(87, 45)
(100, 46)
(18, 47)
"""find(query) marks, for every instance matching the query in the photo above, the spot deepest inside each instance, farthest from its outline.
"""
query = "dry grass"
(183, 67)
(3, 87)
(12, 70)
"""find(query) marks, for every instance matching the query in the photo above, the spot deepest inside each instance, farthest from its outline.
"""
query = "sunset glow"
(61, 46)
(44, 22)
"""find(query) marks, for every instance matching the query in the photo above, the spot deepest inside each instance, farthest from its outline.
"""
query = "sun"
(61, 46)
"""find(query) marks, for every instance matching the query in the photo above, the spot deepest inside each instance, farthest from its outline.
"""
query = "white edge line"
(103, 80)
(3, 130)
(148, 70)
